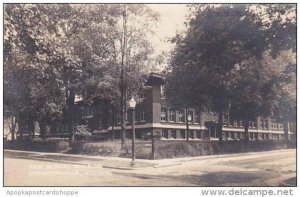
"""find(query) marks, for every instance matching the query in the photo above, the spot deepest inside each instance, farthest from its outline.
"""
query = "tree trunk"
(29, 130)
(30, 126)
(21, 125)
(71, 106)
(122, 85)
(13, 128)
(246, 127)
(112, 126)
(42, 129)
(123, 129)
(220, 126)
(33, 130)
(112, 133)
(187, 124)
(286, 130)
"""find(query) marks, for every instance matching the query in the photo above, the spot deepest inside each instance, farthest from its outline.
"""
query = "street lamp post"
(132, 104)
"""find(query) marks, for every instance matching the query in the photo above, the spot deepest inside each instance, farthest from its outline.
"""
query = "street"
(247, 169)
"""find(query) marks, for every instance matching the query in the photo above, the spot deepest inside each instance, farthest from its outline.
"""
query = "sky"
(172, 18)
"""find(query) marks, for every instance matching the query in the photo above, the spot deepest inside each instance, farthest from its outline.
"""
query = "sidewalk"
(117, 162)
(105, 162)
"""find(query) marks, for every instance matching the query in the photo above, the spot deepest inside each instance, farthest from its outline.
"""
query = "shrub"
(143, 153)
(81, 147)
(48, 145)
(174, 149)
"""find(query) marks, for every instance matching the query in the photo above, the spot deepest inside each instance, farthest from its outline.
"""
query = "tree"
(133, 52)
(277, 23)
(252, 93)
(221, 38)
(50, 42)
(282, 75)
(75, 49)
(216, 40)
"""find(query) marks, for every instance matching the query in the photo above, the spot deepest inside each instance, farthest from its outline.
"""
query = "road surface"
(254, 169)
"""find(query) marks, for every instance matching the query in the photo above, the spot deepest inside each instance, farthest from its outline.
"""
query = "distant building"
(153, 114)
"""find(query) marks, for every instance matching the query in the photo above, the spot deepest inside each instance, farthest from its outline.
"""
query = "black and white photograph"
(133, 94)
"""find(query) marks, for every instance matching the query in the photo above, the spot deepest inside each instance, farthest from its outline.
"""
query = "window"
(223, 135)
(259, 136)
(198, 133)
(251, 136)
(165, 134)
(227, 134)
(235, 123)
(266, 124)
(250, 124)
(143, 115)
(173, 134)
(235, 135)
(180, 116)
(182, 134)
(273, 124)
(255, 124)
(163, 114)
(232, 135)
(190, 114)
(240, 123)
(191, 134)
(197, 118)
(262, 125)
(226, 120)
(162, 92)
(281, 136)
(171, 115)
(136, 116)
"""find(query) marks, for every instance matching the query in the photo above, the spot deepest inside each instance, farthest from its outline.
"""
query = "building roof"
(155, 79)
